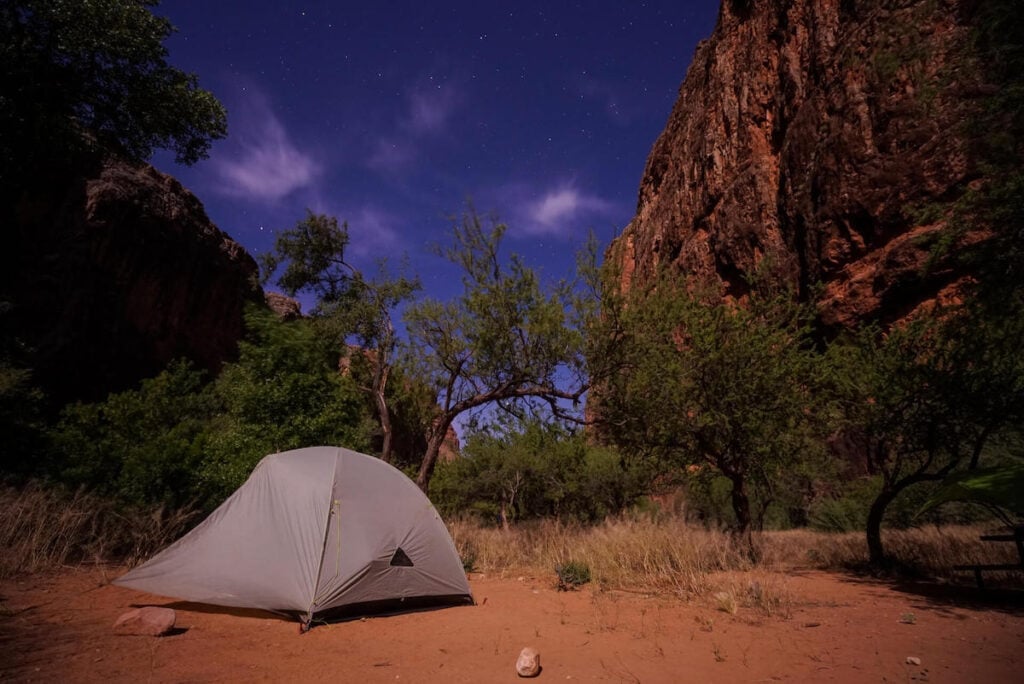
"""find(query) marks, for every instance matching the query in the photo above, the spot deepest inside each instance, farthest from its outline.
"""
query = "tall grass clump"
(623, 552)
(42, 528)
(668, 555)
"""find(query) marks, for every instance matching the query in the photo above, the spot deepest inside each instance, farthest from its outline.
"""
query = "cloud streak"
(431, 108)
(427, 114)
(563, 204)
(264, 163)
(558, 211)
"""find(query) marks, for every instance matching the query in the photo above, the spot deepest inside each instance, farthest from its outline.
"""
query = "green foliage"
(847, 511)
(507, 339)
(536, 470)
(995, 130)
(22, 426)
(572, 575)
(142, 446)
(999, 488)
(284, 392)
(178, 440)
(22, 417)
(708, 382)
(93, 72)
(313, 253)
(929, 397)
(347, 306)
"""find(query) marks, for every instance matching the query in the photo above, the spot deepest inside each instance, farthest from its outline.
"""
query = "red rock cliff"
(119, 271)
(822, 134)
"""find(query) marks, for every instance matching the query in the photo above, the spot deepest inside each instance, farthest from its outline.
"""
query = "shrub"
(529, 471)
(141, 446)
(572, 575)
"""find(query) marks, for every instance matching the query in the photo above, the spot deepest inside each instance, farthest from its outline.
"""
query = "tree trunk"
(741, 507)
(384, 413)
(504, 515)
(435, 438)
(740, 504)
(381, 373)
(876, 552)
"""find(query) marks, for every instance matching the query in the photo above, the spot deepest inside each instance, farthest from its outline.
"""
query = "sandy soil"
(831, 628)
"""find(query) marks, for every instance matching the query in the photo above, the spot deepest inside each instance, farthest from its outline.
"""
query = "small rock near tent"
(318, 532)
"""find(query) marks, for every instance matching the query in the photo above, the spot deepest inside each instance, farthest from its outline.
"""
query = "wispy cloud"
(559, 210)
(431, 107)
(263, 163)
(391, 155)
(373, 232)
(427, 114)
(561, 205)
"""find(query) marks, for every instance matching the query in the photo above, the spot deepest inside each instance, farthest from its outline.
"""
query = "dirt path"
(828, 628)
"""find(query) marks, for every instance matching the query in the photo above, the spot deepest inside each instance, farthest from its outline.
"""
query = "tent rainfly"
(322, 532)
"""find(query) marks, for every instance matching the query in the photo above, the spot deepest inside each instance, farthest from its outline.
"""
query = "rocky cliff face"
(118, 272)
(817, 140)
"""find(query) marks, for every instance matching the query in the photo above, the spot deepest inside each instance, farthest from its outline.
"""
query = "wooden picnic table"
(1016, 536)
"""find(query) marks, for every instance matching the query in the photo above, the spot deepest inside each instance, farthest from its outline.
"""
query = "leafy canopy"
(507, 340)
(712, 384)
(93, 73)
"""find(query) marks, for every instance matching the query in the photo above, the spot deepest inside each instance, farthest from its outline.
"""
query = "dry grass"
(930, 551)
(670, 556)
(42, 528)
(622, 553)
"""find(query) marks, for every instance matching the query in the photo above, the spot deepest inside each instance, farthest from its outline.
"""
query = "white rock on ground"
(528, 663)
(148, 621)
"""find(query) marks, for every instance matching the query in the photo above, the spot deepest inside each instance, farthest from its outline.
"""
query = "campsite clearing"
(825, 627)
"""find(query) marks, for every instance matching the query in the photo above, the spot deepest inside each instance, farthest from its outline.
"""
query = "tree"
(706, 383)
(284, 392)
(515, 470)
(77, 75)
(927, 398)
(503, 342)
(347, 304)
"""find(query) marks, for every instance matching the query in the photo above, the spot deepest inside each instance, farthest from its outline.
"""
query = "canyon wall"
(817, 142)
(117, 270)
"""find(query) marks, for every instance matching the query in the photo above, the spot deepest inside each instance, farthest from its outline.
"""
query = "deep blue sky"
(390, 115)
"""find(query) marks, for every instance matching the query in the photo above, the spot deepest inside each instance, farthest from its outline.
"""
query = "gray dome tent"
(314, 532)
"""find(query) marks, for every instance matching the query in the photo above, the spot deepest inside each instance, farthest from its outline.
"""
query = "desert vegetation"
(642, 439)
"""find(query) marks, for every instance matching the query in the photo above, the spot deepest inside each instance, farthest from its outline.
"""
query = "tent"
(322, 532)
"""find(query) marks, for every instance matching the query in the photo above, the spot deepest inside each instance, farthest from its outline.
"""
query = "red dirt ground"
(836, 628)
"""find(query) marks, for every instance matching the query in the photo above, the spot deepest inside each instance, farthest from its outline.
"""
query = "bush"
(284, 392)
(534, 470)
(141, 446)
(178, 440)
(572, 575)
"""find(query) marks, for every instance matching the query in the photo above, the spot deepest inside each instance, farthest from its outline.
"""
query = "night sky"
(391, 115)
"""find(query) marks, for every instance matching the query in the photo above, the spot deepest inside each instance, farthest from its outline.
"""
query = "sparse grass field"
(44, 528)
(670, 556)
(664, 597)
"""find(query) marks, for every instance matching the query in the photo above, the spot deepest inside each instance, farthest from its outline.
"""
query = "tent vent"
(400, 559)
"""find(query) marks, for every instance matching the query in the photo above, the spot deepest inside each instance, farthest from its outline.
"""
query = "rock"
(115, 270)
(148, 621)
(911, 660)
(286, 308)
(528, 663)
(791, 150)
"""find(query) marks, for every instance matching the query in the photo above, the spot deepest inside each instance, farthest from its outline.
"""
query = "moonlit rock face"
(528, 663)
